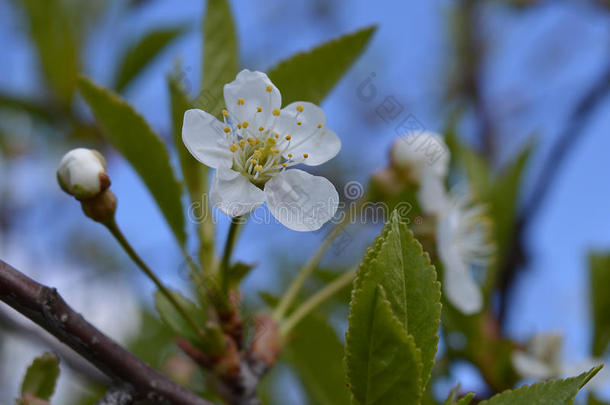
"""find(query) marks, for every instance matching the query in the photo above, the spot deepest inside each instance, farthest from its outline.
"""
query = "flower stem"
(228, 251)
(305, 271)
(118, 235)
(315, 301)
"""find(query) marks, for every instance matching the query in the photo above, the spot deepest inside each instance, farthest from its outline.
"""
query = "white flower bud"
(418, 153)
(82, 173)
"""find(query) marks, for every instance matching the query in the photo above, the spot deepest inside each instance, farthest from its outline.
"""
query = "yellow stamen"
(225, 113)
(276, 111)
(227, 130)
(239, 126)
(300, 108)
(299, 122)
(319, 125)
(305, 155)
(240, 101)
(277, 136)
(284, 165)
(245, 124)
(261, 129)
(288, 137)
(290, 155)
(242, 143)
(269, 88)
(233, 148)
(259, 109)
(258, 168)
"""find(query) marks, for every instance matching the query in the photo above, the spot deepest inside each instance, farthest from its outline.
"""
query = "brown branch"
(517, 256)
(46, 307)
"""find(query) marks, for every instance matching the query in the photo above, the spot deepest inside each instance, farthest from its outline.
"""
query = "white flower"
(542, 360)
(426, 158)
(462, 238)
(255, 145)
(82, 173)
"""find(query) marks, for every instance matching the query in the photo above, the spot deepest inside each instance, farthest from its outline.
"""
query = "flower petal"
(306, 124)
(432, 195)
(529, 366)
(203, 136)
(320, 148)
(234, 194)
(415, 152)
(301, 201)
(461, 288)
(247, 93)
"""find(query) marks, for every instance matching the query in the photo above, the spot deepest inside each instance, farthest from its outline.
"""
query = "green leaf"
(384, 365)
(309, 76)
(220, 55)
(592, 400)
(452, 399)
(316, 354)
(471, 162)
(193, 172)
(174, 320)
(41, 377)
(465, 400)
(237, 272)
(599, 265)
(423, 294)
(503, 199)
(140, 54)
(553, 392)
(131, 135)
(56, 39)
(397, 262)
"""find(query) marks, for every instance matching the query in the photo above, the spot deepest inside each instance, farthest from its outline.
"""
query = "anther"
(319, 125)
(233, 147)
(259, 109)
(300, 108)
(276, 111)
(269, 88)
(288, 137)
(299, 122)
(227, 130)
(240, 101)
(225, 113)
(305, 155)
(245, 124)
(261, 129)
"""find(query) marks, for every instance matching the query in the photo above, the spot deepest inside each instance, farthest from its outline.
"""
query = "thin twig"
(293, 290)
(46, 307)
(546, 179)
(315, 301)
(118, 235)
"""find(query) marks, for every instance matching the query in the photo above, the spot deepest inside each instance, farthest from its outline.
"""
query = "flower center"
(259, 152)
